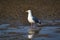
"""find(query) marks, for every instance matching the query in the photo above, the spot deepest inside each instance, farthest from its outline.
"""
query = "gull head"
(28, 11)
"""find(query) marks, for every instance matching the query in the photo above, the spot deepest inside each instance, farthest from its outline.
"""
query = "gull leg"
(31, 25)
(34, 25)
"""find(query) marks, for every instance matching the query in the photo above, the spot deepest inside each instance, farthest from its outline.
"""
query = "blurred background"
(13, 11)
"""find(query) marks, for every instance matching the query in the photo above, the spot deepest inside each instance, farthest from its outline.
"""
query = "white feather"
(30, 17)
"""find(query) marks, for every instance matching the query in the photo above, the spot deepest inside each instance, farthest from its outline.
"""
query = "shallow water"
(21, 32)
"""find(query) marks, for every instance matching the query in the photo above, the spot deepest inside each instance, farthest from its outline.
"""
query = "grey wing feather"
(36, 20)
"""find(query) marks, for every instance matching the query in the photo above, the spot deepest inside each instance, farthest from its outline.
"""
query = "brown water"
(21, 32)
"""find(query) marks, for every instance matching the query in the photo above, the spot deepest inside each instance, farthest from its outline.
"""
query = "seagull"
(32, 19)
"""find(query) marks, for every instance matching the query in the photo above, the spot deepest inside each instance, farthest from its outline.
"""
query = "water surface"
(21, 32)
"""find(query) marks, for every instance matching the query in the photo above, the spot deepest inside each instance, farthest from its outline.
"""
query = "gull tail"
(39, 22)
